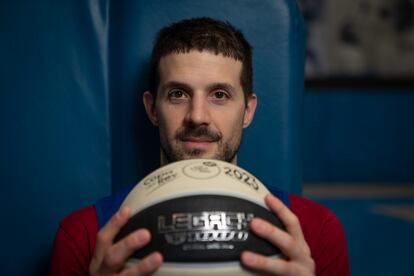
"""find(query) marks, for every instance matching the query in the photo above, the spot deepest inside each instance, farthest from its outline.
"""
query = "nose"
(198, 113)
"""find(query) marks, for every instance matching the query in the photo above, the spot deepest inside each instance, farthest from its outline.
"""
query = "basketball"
(198, 212)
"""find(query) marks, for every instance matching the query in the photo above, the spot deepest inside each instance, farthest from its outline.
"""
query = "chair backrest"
(73, 125)
(271, 145)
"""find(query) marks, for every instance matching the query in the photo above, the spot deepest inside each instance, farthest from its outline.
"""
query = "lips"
(197, 142)
(198, 137)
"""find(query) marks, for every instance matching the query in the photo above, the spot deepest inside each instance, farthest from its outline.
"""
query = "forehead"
(200, 68)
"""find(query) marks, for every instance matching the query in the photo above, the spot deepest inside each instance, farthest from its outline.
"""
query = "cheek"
(169, 122)
(231, 122)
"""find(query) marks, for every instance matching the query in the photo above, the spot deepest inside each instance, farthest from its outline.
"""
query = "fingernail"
(154, 259)
(142, 236)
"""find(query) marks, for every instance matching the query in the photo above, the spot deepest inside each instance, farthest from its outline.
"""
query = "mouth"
(191, 143)
(198, 139)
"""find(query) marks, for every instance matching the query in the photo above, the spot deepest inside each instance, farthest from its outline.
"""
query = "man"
(201, 98)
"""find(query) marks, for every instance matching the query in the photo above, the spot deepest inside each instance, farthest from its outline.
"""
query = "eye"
(176, 94)
(220, 95)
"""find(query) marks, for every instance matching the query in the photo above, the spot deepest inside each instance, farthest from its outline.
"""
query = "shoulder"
(74, 243)
(315, 219)
(81, 227)
(310, 212)
(324, 234)
(82, 217)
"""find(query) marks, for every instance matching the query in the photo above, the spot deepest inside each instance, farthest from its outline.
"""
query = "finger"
(288, 218)
(147, 265)
(265, 265)
(279, 238)
(107, 234)
(116, 255)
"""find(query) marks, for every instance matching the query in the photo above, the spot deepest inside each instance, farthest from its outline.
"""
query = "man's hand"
(292, 244)
(110, 258)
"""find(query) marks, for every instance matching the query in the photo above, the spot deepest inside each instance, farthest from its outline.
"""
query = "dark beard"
(226, 151)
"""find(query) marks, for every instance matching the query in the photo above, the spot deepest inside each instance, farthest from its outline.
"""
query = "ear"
(250, 109)
(149, 104)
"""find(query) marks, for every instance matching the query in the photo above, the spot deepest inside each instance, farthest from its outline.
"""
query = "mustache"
(198, 132)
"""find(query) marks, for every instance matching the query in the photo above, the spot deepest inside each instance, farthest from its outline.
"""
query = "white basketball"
(198, 212)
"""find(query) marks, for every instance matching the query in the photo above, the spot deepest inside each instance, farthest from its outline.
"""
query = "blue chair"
(73, 125)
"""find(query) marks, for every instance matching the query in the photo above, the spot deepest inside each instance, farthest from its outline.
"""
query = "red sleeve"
(74, 243)
(324, 234)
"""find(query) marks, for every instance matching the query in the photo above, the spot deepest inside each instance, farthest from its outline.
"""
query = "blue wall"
(53, 154)
(358, 135)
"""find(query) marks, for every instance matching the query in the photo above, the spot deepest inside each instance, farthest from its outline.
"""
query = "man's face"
(200, 107)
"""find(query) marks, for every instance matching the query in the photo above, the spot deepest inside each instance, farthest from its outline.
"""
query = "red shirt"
(75, 239)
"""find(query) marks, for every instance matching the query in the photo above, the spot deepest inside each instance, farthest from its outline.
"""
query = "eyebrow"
(213, 86)
(222, 85)
(175, 84)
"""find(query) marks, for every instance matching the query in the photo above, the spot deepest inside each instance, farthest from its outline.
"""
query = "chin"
(199, 154)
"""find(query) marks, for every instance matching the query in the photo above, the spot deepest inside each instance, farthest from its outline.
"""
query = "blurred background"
(359, 126)
(357, 123)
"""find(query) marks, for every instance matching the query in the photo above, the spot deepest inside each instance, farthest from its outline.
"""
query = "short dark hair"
(202, 34)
